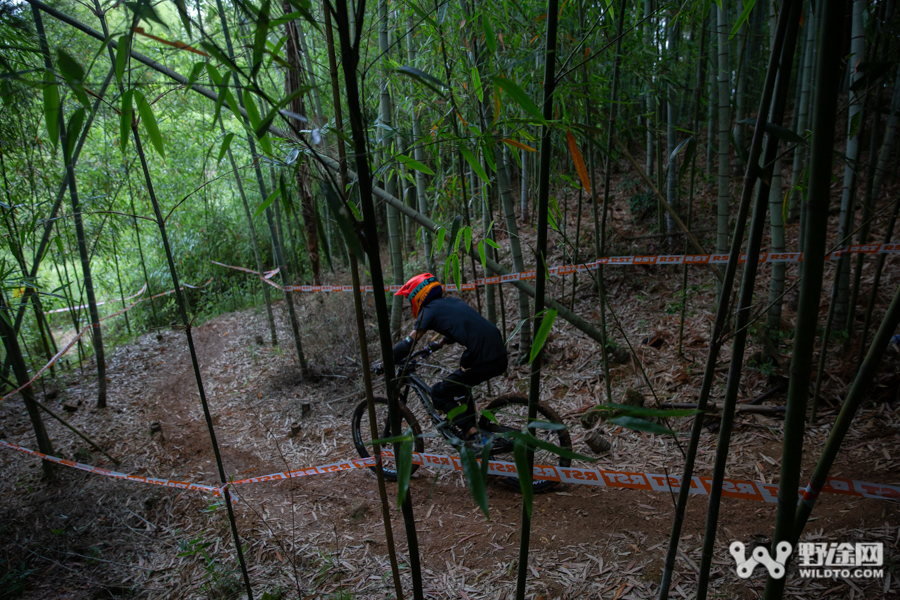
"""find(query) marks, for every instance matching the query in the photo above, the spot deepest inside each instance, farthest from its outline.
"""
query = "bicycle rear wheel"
(511, 413)
(362, 432)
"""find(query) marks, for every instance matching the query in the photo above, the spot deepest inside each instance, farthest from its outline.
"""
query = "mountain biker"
(484, 356)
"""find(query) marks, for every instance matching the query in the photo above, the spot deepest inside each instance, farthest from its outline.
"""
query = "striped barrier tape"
(84, 329)
(80, 306)
(653, 259)
(731, 488)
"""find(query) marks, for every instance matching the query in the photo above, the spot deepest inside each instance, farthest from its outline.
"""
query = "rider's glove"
(434, 346)
(401, 350)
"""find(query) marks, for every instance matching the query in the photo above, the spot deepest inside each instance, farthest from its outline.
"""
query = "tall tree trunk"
(649, 97)
(821, 151)
(848, 196)
(293, 80)
(534, 389)
(881, 170)
(419, 152)
(251, 142)
(788, 24)
(722, 314)
(776, 217)
(724, 195)
(96, 333)
(515, 247)
(20, 369)
(712, 92)
(671, 139)
(350, 62)
(803, 115)
(254, 240)
(385, 116)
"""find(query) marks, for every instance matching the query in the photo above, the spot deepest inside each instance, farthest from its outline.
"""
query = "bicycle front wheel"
(511, 413)
(362, 432)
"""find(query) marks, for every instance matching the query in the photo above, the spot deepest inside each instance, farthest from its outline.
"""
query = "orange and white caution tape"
(731, 488)
(84, 329)
(114, 474)
(80, 306)
(619, 261)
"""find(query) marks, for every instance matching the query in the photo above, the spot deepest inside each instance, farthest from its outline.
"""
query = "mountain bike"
(510, 413)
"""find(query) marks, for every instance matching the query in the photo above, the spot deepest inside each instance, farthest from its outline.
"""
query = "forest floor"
(87, 536)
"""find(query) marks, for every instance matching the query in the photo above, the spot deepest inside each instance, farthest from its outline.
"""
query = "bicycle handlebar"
(409, 361)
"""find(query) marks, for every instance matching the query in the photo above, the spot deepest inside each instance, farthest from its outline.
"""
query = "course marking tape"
(654, 259)
(731, 488)
(84, 329)
(80, 306)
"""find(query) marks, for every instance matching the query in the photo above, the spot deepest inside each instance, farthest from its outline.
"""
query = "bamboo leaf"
(253, 115)
(473, 162)
(688, 156)
(126, 116)
(489, 37)
(748, 6)
(429, 81)
(439, 243)
(195, 74)
(778, 131)
(343, 219)
(476, 83)
(467, 234)
(73, 73)
(520, 455)
(457, 277)
(304, 8)
(580, 168)
(870, 73)
(184, 16)
(481, 254)
(51, 107)
(149, 122)
(226, 143)
(404, 468)
(519, 145)
(122, 54)
(473, 475)
(540, 444)
(520, 97)
(76, 122)
(414, 164)
(636, 424)
(267, 203)
(143, 9)
(454, 231)
(259, 40)
(541, 336)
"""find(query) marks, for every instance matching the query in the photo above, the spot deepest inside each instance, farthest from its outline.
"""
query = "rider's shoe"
(477, 441)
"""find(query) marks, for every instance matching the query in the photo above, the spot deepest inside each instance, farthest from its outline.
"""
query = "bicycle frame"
(408, 379)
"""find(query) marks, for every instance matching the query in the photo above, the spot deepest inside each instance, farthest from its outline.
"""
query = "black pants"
(453, 389)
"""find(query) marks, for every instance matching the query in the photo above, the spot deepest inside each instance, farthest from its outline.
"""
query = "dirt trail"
(323, 535)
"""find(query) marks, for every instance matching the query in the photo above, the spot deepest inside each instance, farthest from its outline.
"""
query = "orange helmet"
(421, 289)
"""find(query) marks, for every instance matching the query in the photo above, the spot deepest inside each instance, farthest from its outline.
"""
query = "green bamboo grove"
(365, 142)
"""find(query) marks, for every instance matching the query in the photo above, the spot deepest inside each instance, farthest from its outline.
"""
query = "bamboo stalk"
(534, 389)
(350, 60)
(824, 118)
(722, 313)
